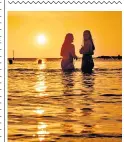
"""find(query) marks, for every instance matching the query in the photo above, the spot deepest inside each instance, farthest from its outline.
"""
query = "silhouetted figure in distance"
(10, 61)
(119, 57)
(68, 53)
(87, 50)
(39, 61)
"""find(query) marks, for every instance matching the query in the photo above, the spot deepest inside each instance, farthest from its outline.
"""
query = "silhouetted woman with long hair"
(68, 53)
(87, 50)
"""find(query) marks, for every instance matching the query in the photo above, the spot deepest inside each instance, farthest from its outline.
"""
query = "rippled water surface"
(48, 105)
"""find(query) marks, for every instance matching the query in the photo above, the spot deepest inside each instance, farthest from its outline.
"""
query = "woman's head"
(69, 38)
(87, 36)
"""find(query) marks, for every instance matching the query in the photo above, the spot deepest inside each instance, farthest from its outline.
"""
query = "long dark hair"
(67, 41)
(68, 38)
(90, 37)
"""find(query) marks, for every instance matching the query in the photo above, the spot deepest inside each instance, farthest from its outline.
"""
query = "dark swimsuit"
(87, 63)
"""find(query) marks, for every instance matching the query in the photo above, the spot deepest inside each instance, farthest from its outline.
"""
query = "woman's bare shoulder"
(72, 45)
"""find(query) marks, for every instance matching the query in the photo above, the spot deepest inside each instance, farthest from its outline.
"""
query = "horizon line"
(61, 57)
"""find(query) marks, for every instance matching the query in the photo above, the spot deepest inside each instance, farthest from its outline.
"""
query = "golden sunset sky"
(24, 27)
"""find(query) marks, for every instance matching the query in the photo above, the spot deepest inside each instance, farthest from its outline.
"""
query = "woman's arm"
(61, 52)
(87, 48)
(81, 50)
(73, 52)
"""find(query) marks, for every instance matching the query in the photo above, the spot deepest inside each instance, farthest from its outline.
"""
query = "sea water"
(48, 105)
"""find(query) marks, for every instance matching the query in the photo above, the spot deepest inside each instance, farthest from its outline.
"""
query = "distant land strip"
(110, 57)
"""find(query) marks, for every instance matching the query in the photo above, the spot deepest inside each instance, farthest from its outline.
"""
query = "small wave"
(73, 95)
(86, 109)
(102, 69)
(16, 136)
(107, 102)
(56, 70)
(83, 135)
(93, 135)
(35, 70)
(16, 91)
(42, 70)
(111, 95)
(66, 120)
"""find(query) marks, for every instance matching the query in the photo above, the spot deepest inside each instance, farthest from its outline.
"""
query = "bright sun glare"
(41, 39)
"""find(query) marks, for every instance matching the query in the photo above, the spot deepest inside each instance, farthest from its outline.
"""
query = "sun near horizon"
(41, 39)
(41, 34)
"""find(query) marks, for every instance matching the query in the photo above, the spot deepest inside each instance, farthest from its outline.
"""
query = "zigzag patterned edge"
(63, 2)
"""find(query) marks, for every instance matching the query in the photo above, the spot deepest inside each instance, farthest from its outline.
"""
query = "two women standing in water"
(68, 53)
